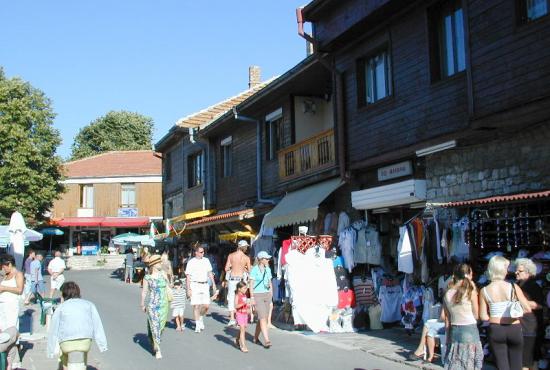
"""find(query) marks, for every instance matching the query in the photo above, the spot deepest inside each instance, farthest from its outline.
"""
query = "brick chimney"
(254, 76)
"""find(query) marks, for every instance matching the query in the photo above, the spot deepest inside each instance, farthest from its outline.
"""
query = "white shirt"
(198, 269)
(57, 265)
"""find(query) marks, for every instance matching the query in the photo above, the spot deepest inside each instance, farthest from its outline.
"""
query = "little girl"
(241, 306)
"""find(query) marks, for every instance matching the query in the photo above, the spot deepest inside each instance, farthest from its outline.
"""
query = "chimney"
(254, 76)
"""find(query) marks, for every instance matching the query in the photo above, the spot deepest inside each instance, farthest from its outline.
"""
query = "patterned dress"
(157, 308)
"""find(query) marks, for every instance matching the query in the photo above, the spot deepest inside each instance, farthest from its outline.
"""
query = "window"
(227, 158)
(376, 77)
(168, 166)
(274, 133)
(194, 170)
(532, 9)
(87, 196)
(128, 196)
(448, 51)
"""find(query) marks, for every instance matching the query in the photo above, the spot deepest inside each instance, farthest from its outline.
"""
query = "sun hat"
(263, 254)
(243, 243)
(153, 260)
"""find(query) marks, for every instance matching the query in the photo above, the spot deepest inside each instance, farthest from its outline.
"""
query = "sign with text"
(395, 170)
(127, 212)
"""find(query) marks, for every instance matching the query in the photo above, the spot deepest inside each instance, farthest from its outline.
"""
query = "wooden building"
(109, 194)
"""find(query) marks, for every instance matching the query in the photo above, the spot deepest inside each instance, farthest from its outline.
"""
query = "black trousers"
(507, 345)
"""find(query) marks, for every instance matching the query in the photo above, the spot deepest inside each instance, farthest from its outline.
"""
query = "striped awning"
(498, 199)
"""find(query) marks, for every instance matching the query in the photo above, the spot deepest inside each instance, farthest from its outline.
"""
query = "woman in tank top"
(505, 334)
(462, 312)
(11, 289)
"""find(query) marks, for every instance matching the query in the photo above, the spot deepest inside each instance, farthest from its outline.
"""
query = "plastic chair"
(47, 306)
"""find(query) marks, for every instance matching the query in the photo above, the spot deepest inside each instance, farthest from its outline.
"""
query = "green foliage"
(114, 131)
(30, 170)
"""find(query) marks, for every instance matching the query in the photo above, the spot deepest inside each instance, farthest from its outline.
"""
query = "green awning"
(301, 205)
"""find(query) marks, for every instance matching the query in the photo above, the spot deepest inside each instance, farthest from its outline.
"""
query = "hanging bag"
(516, 310)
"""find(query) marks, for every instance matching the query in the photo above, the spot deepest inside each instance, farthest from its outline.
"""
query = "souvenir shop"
(514, 226)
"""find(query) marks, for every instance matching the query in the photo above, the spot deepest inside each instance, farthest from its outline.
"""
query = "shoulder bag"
(516, 310)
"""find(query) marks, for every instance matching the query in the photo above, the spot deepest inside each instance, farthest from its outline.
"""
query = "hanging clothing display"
(374, 247)
(346, 243)
(390, 299)
(313, 287)
(360, 248)
(343, 222)
(404, 249)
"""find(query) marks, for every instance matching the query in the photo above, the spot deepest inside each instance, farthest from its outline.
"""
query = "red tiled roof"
(214, 111)
(119, 163)
(499, 199)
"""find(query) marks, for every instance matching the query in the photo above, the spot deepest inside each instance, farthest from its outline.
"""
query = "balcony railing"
(311, 155)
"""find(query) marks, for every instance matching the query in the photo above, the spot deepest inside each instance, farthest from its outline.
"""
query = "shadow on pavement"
(143, 341)
(219, 318)
(233, 332)
(227, 340)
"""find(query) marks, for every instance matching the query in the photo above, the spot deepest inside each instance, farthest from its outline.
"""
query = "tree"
(30, 170)
(114, 131)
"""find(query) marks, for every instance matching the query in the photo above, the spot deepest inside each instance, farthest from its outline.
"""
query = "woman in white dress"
(11, 289)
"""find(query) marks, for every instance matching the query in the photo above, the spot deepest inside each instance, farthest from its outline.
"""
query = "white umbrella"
(16, 229)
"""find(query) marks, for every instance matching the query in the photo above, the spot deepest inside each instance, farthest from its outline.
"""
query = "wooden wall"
(69, 202)
(149, 199)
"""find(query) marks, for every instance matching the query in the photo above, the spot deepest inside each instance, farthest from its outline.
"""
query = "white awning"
(301, 205)
(404, 192)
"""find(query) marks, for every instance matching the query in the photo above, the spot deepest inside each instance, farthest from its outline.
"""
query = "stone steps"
(105, 262)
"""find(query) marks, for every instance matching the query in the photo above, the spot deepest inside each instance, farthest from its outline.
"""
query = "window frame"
(362, 75)
(84, 196)
(275, 135)
(439, 56)
(195, 169)
(168, 166)
(128, 186)
(226, 157)
(522, 12)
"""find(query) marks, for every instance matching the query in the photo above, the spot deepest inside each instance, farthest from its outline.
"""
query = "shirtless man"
(236, 268)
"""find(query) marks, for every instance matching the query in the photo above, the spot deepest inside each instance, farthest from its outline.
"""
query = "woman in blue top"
(261, 294)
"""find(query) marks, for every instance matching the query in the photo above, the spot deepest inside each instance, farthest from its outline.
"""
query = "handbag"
(169, 294)
(516, 310)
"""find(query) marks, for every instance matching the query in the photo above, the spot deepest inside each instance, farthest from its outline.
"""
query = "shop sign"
(127, 212)
(395, 170)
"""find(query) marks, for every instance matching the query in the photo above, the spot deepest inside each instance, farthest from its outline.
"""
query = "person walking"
(242, 306)
(27, 271)
(166, 266)
(129, 265)
(261, 295)
(178, 304)
(11, 289)
(75, 322)
(56, 267)
(461, 307)
(37, 280)
(532, 323)
(236, 268)
(199, 272)
(505, 333)
(154, 302)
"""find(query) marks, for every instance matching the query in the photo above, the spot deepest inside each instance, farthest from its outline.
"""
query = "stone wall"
(517, 163)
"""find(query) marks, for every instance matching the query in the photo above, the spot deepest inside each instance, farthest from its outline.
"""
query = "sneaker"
(232, 323)
(197, 328)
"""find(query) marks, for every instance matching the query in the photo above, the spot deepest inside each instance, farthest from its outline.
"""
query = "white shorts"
(57, 282)
(200, 293)
(231, 286)
(177, 312)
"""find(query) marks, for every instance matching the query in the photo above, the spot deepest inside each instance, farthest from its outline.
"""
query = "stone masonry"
(520, 163)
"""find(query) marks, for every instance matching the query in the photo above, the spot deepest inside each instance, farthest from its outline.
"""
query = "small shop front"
(88, 235)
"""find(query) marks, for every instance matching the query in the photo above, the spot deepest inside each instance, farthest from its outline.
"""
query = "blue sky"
(165, 59)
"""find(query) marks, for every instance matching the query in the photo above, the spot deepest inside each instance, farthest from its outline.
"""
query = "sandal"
(267, 344)
(244, 349)
(414, 357)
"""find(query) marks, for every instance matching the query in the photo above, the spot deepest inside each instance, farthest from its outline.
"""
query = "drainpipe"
(205, 149)
(338, 98)
(240, 117)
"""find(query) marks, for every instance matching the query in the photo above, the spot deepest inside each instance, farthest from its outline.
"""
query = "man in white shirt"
(56, 267)
(198, 271)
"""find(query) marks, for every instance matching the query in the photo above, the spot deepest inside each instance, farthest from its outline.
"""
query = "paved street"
(125, 326)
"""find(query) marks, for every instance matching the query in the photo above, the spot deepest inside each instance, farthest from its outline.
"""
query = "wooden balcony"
(308, 156)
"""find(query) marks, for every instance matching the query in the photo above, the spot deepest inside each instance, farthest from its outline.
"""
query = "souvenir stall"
(516, 226)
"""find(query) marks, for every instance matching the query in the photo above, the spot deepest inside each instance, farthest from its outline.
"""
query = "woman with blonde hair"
(497, 299)
(532, 324)
(461, 307)
(154, 302)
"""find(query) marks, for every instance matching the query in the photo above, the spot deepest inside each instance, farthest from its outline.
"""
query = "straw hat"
(153, 260)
